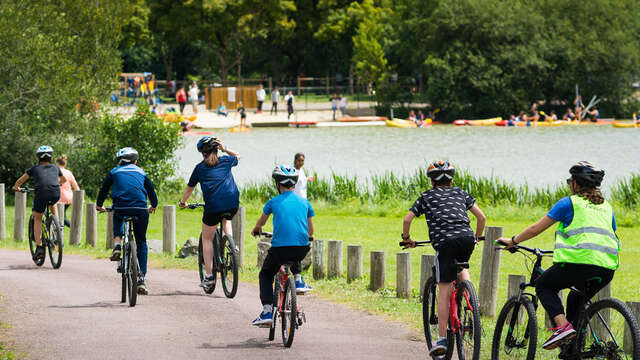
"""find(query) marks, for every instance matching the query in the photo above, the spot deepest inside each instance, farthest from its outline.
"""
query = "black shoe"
(115, 255)
(142, 286)
(39, 253)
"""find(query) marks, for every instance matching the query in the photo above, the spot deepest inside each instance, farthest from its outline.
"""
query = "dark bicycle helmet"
(441, 169)
(587, 174)
(44, 151)
(285, 175)
(127, 155)
(207, 144)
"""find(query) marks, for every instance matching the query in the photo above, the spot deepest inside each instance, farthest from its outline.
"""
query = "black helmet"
(44, 151)
(587, 174)
(285, 175)
(441, 169)
(207, 144)
(127, 155)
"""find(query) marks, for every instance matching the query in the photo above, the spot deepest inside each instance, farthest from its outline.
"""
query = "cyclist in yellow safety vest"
(586, 251)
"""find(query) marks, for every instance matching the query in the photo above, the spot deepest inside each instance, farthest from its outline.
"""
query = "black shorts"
(213, 219)
(40, 202)
(450, 251)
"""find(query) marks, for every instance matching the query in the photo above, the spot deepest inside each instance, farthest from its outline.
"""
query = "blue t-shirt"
(563, 211)
(218, 186)
(290, 214)
(131, 187)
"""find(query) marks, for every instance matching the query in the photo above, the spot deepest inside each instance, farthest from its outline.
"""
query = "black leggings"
(565, 275)
(276, 257)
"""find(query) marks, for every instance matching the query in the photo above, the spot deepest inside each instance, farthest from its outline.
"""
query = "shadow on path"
(247, 344)
(184, 293)
(100, 304)
(24, 267)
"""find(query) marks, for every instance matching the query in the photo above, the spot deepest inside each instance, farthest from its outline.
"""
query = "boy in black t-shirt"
(47, 178)
(445, 209)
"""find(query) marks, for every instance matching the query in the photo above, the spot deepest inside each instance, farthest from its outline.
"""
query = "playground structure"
(231, 97)
(136, 85)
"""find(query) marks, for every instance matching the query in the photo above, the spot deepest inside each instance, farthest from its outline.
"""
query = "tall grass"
(627, 192)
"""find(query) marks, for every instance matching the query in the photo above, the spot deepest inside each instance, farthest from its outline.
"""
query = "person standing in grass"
(343, 105)
(181, 98)
(260, 96)
(66, 192)
(334, 105)
(289, 99)
(275, 98)
(301, 184)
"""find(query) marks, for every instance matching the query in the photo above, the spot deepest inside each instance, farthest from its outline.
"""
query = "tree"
(368, 50)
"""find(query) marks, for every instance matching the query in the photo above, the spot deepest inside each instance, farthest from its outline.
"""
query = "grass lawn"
(375, 230)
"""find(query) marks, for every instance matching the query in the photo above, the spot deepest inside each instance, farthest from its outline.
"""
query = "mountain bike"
(225, 260)
(464, 314)
(606, 329)
(128, 265)
(51, 236)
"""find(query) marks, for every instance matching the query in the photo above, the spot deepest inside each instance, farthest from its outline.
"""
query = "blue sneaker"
(302, 287)
(440, 348)
(263, 320)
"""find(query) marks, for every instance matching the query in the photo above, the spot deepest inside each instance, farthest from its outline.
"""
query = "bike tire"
(607, 307)
(54, 241)
(275, 306)
(202, 268)
(289, 312)
(123, 273)
(132, 275)
(229, 266)
(32, 243)
(509, 315)
(469, 336)
(430, 318)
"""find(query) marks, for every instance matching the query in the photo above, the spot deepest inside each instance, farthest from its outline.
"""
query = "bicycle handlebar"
(194, 205)
(267, 235)
(423, 243)
(26, 189)
(516, 247)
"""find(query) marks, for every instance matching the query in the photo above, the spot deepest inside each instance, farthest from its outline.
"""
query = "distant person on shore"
(172, 87)
(579, 106)
(181, 98)
(593, 115)
(260, 96)
(222, 109)
(535, 114)
(301, 185)
(636, 117)
(289, 99)
(413, 117)
(569, 115)
(193, 95)
(334, 105)
(275, 98)
(243, 114)
(551, 117)
(66, 192)
(343, 105)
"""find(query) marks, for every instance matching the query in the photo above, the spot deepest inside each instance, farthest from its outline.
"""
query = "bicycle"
(285, 303)
(128, 265)
(225, 261)
(51, 236)
(464, 314)
(596, 336)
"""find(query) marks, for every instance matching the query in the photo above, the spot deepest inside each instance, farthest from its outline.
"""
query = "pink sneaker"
(560, 334)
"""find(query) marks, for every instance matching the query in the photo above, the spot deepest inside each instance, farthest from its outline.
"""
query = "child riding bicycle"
(292, 230)
(586, 253)
(47, 178)
(220, 193)
(445, 209)
(131, 187)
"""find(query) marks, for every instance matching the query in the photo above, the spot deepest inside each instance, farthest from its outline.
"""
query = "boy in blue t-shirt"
(292, 230)
(220, 193)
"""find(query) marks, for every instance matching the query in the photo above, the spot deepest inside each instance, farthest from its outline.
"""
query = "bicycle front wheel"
(132, 274)
(202, 268)
(516, 332)
(54, 241)
(469, 334)
(32, 243)
(430, 318)
(610, 331)
(275, 306)
(229, 266)
(289, 312)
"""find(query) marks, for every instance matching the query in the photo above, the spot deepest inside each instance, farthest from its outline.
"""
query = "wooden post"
(3, 221)
(76, 217)
(627, 342)
(318, 259)
(354, 262)
(109, 232)
(377, 274)
(601, 332)
(169, 229)
(91, 232)
(514, 290)
(334, 258)
(403, 274)
(488, 292)
(237, 225)
(19, 216)
(298, 93)
(60, 209)
(427, 263)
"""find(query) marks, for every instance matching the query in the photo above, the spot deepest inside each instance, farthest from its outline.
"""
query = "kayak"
(177, 118)
(399, 123)
(196, 133)
(239, 129)
(299, 124)
(619, 124)
(549, 123)
(483, 122)
(362, 118)
(506, 123)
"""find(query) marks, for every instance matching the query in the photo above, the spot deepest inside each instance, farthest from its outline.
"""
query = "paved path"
(75, 313)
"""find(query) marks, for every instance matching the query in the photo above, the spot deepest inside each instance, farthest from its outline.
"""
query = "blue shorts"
(40, 202)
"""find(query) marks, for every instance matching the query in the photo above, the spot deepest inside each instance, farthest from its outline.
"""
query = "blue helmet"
(285, 175)
(207, 144)
(126, 155)
(44, 151)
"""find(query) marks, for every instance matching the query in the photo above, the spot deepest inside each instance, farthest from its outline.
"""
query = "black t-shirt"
(445, 209)
(46, 179)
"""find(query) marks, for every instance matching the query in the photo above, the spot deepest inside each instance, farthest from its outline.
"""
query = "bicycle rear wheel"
(516, 332)
(430, 318)
(54, 241)
(132, 274)
(289, 312)
(610, 331)
(202, 268)
(229, 266)
(122, 266)
(275, 306)
(32, 243)
(469, 335)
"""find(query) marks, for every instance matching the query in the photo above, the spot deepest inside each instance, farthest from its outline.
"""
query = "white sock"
(208, 275)
(266, 308)
(298, 277)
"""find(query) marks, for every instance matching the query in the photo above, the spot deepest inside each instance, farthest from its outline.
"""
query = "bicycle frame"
(283, 277)
(453, 308)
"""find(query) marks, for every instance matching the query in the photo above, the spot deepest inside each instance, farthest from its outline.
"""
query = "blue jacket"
(131, 186)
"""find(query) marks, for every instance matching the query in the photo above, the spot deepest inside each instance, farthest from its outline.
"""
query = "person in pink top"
(66, 192)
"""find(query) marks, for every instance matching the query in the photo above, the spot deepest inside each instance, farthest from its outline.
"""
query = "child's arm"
(187, 192)
(310, 224)
(21, 180)
(482, 220)
(257, 230)
(406, 227)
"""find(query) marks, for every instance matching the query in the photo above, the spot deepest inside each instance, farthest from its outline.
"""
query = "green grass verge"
(376, 229)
